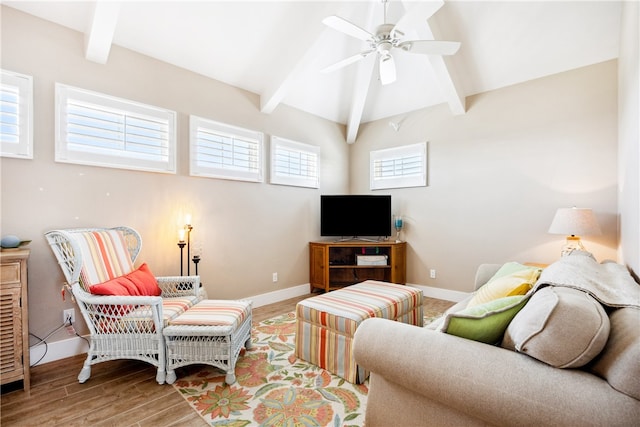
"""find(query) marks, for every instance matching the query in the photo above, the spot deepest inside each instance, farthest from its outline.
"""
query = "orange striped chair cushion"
(104, 256)
(215, 313)
(173, 307)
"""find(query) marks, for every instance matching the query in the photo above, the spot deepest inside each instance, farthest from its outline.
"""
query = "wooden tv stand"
(333, 265)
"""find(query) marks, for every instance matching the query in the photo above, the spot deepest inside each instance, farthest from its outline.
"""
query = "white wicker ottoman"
(212, 332)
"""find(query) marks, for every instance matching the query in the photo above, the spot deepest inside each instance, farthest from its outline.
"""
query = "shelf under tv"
(332, 265)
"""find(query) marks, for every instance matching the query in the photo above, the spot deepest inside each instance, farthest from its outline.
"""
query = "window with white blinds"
(223, 151)
(16, 115)
(294, 163)
(101, 130)
(399, 167)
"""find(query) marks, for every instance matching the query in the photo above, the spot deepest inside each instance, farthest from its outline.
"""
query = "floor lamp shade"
(573, 223)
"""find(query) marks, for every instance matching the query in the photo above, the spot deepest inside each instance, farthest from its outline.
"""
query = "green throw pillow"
(486, 322)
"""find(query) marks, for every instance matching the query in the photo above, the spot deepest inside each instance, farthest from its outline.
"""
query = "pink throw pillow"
(140, 282)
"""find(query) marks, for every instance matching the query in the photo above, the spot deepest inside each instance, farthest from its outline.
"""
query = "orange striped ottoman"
(212, 332)
(325, 324)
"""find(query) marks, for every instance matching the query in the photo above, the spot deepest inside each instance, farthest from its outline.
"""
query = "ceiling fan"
(388, 37)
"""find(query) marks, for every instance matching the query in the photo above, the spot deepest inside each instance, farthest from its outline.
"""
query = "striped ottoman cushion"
(215, 313)
(325, 324)
(211, 332)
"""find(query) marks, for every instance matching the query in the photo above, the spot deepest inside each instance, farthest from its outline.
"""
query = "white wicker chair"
(121, 327)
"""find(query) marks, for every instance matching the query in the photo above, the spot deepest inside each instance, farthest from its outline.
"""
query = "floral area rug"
(273, 387)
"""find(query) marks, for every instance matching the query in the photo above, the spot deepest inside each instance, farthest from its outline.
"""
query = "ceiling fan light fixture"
(384, 48)
(406, 46)
(387, 69)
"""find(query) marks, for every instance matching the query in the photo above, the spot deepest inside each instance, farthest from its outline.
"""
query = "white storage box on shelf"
(371, 259)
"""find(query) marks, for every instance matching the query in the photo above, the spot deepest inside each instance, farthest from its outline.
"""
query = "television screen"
(355, 215)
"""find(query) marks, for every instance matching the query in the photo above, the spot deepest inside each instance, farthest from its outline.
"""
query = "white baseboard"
(73, 346)
(57, 350)
(440, 293)
(281, 295)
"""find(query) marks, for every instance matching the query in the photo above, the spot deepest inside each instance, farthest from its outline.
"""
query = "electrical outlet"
(69, 313)
(432, 273)
(275, 277)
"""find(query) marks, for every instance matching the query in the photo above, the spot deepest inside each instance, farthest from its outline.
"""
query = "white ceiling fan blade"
(430, 47)
(417, 14)
(346, 27)
(387, 70)
(346, 61)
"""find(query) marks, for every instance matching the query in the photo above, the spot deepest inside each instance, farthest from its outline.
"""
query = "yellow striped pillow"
(515, 283)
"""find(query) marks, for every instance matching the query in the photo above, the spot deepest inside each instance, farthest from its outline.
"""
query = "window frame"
(23, 84)
(94, 155)
(398, 153)
(295, 146)
(227, 131)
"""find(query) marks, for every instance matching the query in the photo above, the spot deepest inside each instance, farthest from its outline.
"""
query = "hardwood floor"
(119, 393)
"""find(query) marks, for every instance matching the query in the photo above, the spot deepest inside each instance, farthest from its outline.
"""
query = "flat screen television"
(355, 215)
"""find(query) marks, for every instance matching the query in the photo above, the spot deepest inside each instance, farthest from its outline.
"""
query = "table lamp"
(574, 222)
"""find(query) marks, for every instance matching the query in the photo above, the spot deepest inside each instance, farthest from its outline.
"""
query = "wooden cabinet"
(333, 265)
(14, 320)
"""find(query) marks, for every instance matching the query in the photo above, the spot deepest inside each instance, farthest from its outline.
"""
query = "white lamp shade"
(574, 222)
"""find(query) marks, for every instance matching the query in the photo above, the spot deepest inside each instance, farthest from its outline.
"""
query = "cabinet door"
(317, 266)
(399, 264)
(10, 334)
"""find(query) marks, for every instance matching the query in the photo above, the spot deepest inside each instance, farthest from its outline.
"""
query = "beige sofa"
(425, 377)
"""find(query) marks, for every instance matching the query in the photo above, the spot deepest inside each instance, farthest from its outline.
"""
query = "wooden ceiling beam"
(273, 96)
(98, 38)
(364, 75)
(361, 85)
(450, 84)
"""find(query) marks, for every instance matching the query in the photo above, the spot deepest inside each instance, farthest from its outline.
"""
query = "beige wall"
(498, 173)
(629, 136)
(247, 231)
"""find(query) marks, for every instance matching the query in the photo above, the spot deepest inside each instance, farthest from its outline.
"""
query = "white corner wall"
(629, 136)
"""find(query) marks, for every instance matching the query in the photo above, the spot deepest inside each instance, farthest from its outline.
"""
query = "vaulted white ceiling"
(276, 49)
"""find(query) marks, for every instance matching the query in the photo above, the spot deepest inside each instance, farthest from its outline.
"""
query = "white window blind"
(399, 167)
(16, 115)
(223, 151)
(294, 163)
(101, 130)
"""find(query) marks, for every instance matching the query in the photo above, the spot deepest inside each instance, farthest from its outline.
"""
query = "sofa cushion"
(511, 279)
(619, 362)
(485, 322)
(562, 327)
